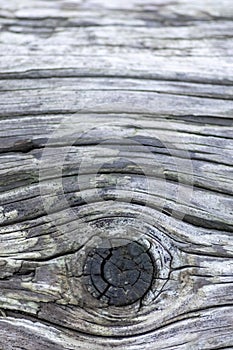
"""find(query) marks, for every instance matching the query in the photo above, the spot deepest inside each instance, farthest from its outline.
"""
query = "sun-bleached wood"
(147, 86)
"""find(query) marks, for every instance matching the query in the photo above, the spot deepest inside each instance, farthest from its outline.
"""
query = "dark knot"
(120, 275)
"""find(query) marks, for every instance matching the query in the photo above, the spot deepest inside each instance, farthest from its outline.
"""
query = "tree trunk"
(116, 178)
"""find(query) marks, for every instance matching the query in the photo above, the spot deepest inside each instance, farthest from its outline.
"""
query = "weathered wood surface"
(116, 121)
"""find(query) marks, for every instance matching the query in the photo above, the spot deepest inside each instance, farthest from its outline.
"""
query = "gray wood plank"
(116, 126)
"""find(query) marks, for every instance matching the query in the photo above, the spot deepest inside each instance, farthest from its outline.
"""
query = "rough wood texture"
(116, 123)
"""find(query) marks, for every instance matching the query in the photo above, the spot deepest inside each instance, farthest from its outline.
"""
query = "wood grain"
(116, 122)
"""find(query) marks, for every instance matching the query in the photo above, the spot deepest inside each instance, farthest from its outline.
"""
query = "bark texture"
(116, 181)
